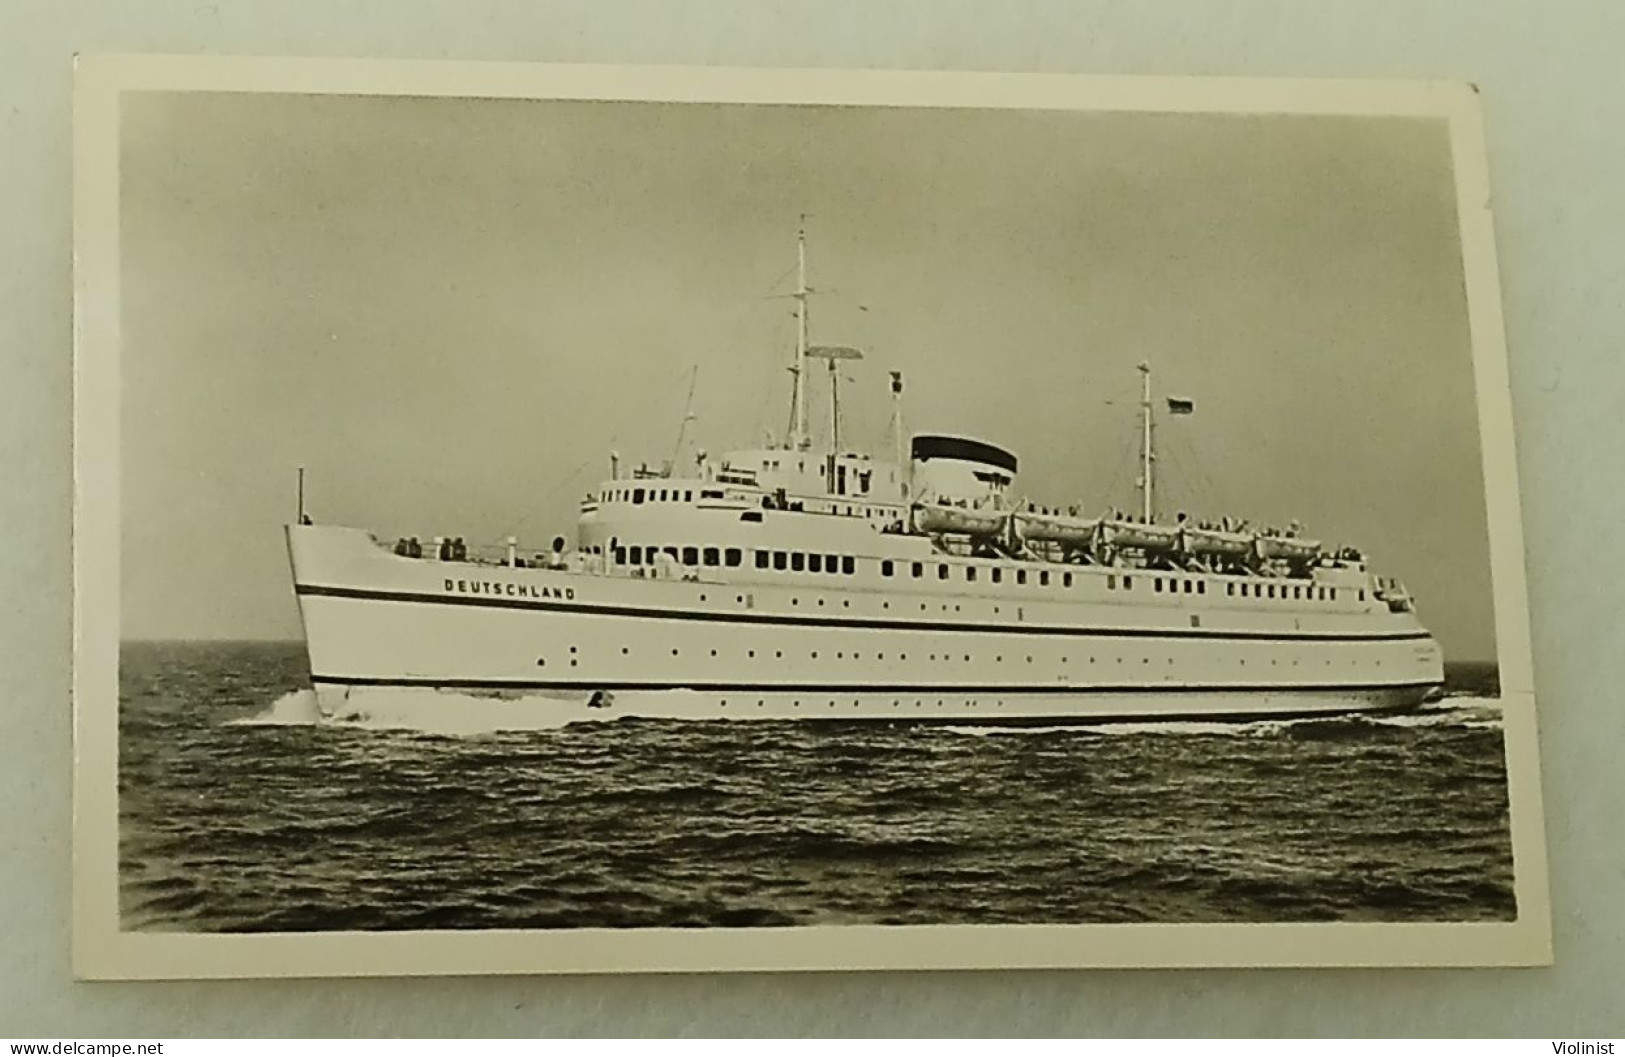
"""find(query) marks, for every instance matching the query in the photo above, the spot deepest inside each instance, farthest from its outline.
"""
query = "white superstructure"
(801, 581)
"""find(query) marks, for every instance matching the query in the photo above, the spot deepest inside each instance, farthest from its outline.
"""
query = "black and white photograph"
(633, 522)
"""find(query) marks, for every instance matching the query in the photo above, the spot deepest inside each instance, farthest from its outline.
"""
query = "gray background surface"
(1555, 102)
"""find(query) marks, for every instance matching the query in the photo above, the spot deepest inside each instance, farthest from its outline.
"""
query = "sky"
(451, 311)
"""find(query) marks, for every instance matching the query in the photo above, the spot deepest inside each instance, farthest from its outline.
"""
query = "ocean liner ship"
(807, 581)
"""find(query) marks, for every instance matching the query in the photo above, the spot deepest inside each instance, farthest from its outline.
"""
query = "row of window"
(639, 554)
(994, 574)
(638, 496)
(798, 561)
(846, 565)
(841, 655)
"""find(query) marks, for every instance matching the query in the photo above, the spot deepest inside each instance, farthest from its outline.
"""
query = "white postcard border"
(102, 951)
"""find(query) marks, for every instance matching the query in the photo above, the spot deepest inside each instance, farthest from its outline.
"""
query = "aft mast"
(1147, 457)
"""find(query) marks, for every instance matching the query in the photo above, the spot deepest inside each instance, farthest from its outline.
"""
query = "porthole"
(625, 651)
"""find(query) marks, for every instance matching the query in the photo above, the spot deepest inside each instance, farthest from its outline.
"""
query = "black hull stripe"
(312, 590)
(861, 688)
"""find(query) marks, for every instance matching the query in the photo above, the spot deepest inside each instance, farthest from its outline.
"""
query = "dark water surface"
(241, 812)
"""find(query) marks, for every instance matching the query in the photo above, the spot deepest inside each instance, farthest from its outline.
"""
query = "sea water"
(243, 809)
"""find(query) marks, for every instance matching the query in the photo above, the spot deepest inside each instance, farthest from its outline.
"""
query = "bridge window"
(942, 572)
(815, 563)
(691, 555)
(732, 557)
(635, 554)
(780, 561)
(1362, 594)
(1066, 579)
(1043, 578)
(832, 563)
(849, 565)
(918, 569)
(711, 556)
(1111, 582)
(886, 567)
(1201, 587)
(620, 555)
(1128, 583)
(763, 559)
(1189, 587)
(798, 562)
(1156, 585)
(998, 575)
(970, 574)
(637, 495)
(1021, 576)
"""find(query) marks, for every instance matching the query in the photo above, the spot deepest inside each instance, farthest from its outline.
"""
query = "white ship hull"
(594, 646)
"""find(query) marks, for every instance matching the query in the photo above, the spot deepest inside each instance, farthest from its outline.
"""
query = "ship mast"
(798, 428)
(1147, 458)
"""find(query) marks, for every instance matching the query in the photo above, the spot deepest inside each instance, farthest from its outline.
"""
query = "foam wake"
(1476, 713)
(421, 710)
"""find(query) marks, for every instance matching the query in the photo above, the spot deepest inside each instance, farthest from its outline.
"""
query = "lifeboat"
(1214, 542)
(1057, 528)
(1291, 548)
(1139, 535)
(937, 518)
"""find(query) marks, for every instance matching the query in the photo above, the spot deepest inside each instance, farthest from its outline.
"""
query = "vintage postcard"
(579, 519)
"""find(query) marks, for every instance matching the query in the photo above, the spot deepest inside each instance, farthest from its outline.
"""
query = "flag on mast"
(1180, 406)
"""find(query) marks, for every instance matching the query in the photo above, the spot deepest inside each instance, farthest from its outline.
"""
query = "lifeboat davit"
(1139, 535)
(1214, 542)
(965, 521)
(1057, 528)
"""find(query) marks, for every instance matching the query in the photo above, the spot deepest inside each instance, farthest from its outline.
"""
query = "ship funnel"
(960, 471)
